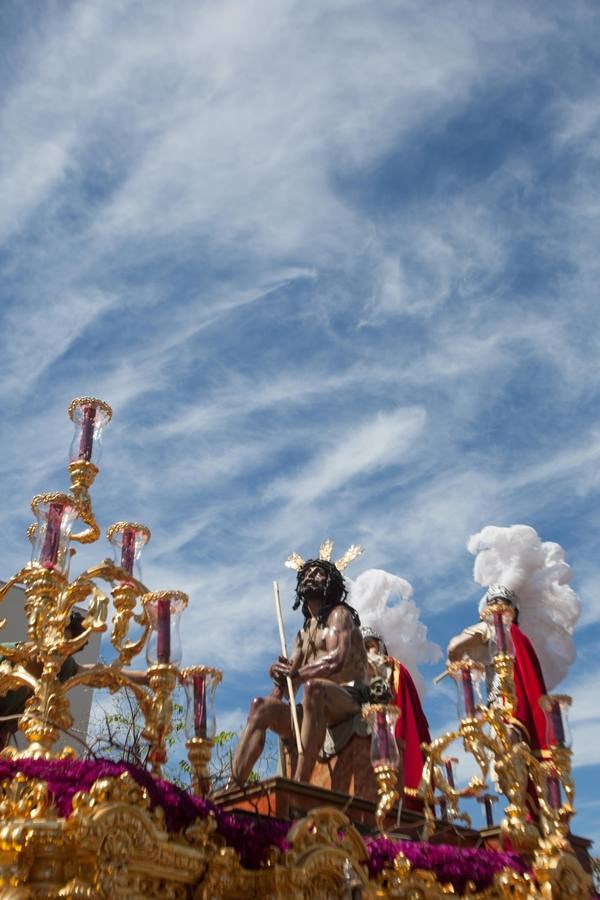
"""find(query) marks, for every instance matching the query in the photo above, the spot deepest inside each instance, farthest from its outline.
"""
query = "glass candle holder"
(556, 707)
(499, 616)
(128, 539)
(382, 720)
(467, 676)
(200, 683)
(164, 609)
(89, 416)
(553, 789)
(55, 514)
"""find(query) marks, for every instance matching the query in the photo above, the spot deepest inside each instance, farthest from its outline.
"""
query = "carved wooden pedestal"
(350, 772)
(285, 799)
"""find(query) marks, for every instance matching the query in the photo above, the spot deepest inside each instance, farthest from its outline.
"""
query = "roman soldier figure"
(412, 728)
(478, 642)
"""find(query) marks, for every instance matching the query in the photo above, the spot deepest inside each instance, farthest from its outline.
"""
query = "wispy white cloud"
(336, 270)
(361, 449)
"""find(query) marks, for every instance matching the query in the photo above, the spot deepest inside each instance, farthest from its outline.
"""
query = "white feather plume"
(537, 572)
(397, 621)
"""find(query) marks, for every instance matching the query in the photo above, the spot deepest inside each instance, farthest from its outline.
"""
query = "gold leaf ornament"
(295, 561)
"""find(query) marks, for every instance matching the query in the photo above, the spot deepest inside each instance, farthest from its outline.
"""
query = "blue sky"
(335, 268)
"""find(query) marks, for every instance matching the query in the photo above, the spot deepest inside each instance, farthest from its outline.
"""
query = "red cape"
(529, 687)
(412, 727)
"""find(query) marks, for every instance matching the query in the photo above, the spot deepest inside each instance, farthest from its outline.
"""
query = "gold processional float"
(75, 828)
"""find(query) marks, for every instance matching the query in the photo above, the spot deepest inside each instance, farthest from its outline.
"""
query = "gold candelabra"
(200, 683)
(385, 756)
(536, 819)
(42, 664)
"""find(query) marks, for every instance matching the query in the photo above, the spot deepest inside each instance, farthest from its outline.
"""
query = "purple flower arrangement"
(450, 864)
(252, 837)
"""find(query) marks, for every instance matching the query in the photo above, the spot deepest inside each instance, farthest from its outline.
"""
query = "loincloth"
(338, 736)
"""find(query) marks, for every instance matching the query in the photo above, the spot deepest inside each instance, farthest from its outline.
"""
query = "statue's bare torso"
(314, 642)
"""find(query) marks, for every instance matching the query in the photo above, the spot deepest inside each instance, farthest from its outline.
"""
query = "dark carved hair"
(335, 592)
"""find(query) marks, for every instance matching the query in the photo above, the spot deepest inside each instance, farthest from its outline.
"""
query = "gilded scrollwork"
(114, 846)
(24, 798)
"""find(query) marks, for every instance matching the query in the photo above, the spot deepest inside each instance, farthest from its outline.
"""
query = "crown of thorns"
(295, 561)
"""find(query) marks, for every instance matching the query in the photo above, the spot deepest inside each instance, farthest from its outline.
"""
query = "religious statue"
(412, 728)
(328, 660)
(478, 642)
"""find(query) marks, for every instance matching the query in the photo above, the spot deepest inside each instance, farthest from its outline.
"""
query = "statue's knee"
(313, 693)
(257, 706)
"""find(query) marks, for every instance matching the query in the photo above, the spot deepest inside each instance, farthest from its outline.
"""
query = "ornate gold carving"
(121, 789)
(349, 556)
(295, 561)
(119, 849)
(326, 549)
(402, 882)
(114, 847)
(199, 752)
(51, 497)
(83, 474)
(492, 739)
(455, 668)
(201, 670)
(158, 712)
(75, 404)
(497, 606)
(325, 828)
(120, 527)
(125, 596)
(561, 875)
(387, 780)
(155, 596)
(24, 798)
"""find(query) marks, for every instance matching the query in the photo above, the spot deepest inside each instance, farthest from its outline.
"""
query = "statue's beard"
(310, 589)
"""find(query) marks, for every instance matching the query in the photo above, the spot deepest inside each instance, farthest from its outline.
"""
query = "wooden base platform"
(282, 798)
(350, 772)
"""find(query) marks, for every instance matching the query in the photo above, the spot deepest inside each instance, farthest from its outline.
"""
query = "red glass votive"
(554, 798)
(163, 611)
(86, 441)
(50, 547)
(163, 623)
(501, 642)
(199, 682)
(468, 693)
(128, 550)
(383, 734)
(558, 730)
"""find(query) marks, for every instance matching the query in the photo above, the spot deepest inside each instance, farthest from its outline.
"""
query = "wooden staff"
(290, 686)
